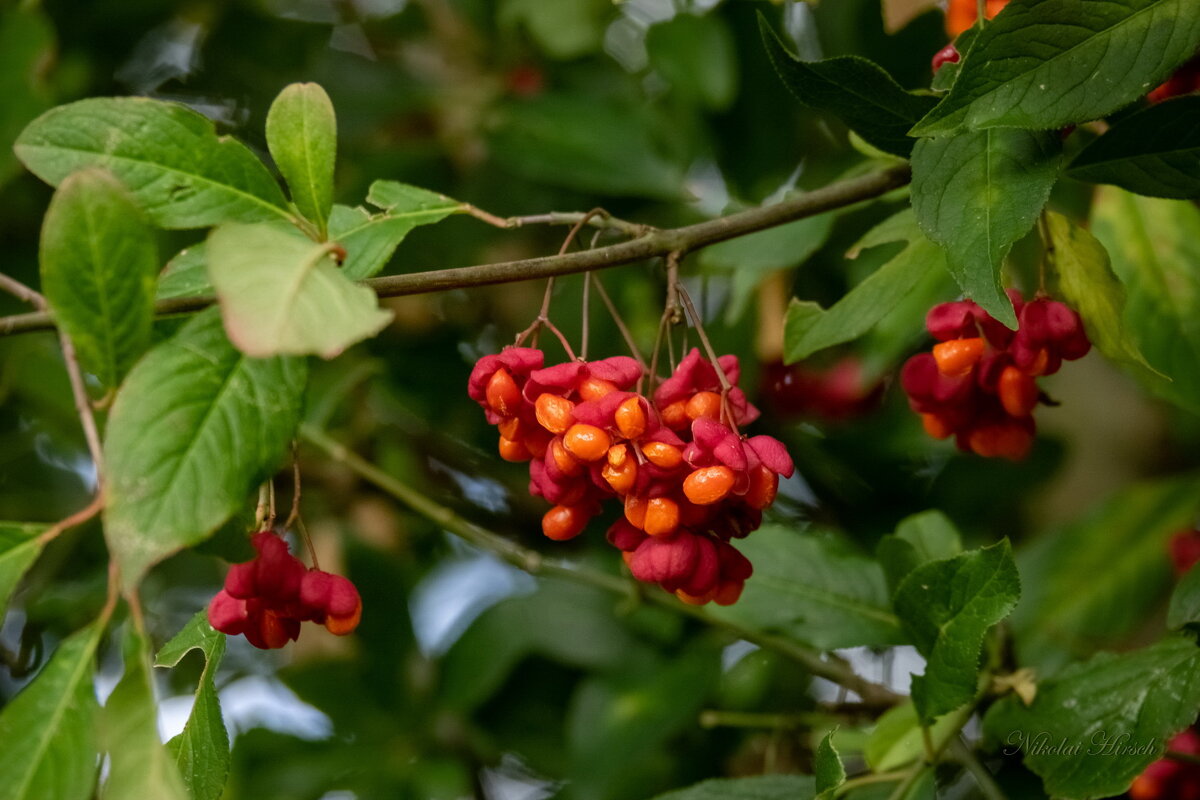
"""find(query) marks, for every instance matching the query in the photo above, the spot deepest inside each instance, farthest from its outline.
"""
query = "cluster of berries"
(1186, 80)
(1168, 779)
(1185, 551)
(834, 393)
(980, 382)
(688, 482)
(267, 598)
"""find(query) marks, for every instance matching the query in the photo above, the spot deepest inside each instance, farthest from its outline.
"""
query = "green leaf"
(185, 275)
(99, 261)
(760, 787)
(27, 41)
(589, 144)
(697, 56)
(371, 239)
(1185, 601)
(282, 293)
(947, 607)
(897, 738)
(947, 74)
(828, 770)
(1088, 284)
(919, 539)
(302, 138)
(1095, 581)
(1155, 152)
(814, 589)
(750, 259)
(976, 195)
(139, 767)
(201, 751)
(1155, 253)
(809, 328)
(1046, 64)
(180, 172)
(48, 730)
(856, 90)
(19, 548)
(1096, 725)
(195, 428)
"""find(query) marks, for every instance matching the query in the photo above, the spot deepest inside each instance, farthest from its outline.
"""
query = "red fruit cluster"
(1167, 779)
(961, 14)
(979, 384)
(688, 482)
(267, 598)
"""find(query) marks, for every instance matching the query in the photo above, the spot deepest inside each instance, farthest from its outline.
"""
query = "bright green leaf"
(195, 428)
(1155, 152)
(815, 589)
(760, 787)
(99, 261)
(283, 294)
(947, 607)
(180, 172)
(48, 730)
(697, 56)
(856, 90)
(1095, 581)
(976, 195)
(1156, 254)
(809, 328)
(1090, 287)
(1096, 725)
(139, 767)
(185, 275)
(201, 751)
(19, 548)
(302, 138)
(1046, 64)
(919, 539)
(897, 738)
(371, 239)
(828, 770)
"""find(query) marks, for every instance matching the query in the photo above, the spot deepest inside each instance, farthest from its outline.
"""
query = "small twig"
(931, 753)
(583, 339)
(271, 504)
(983, 778)
(981, 11)
(78, 518)
(654, 244)
(620, 323)
(602, 221)
(308, 542)
(907, 783)
(83, 404)
(294, 514)
(260, 510)
(715, 718)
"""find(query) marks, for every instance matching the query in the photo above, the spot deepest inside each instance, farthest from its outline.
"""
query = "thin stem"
(831, 668)
(603, 221)
(907, 783)
(618, 321)
(869, 780)
(78, 518)
(981, 11)
(726, 412)
(271, 504)
(653, 244)
(260, 510)
(308, 542)
(83, 404)
(927, 742)
(583, 341)
(294, 514)
(983, 778)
